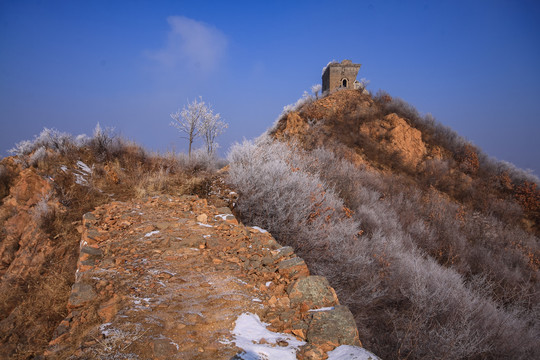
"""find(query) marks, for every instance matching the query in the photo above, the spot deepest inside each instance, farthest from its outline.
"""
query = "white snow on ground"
(222, 216)
(151, 233)
(248, 334)
(64, 168)
(322, 309)
(83, 167)
(259, 229)
(205, 225)
(80, 179)
(82, 173)
(348, 352)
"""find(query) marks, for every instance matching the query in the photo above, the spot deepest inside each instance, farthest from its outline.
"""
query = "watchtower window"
(344, 83)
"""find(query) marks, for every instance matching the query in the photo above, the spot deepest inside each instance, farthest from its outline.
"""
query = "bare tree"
(190, 121)
(211, 128)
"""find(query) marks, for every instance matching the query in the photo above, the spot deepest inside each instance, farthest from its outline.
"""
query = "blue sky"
(128, 64)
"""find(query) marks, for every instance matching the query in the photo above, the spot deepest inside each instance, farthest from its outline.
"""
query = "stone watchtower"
(340, 75)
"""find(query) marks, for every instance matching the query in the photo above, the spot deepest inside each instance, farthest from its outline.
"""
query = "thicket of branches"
(425, 277)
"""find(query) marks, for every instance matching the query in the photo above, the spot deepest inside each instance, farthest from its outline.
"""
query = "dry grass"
(33, 306)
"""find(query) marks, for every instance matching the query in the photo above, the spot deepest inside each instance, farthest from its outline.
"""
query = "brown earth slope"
(33, 265)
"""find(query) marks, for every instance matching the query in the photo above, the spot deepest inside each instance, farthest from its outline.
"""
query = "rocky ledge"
(177, 278)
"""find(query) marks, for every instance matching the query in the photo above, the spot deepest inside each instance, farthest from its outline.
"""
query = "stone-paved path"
(167, 278)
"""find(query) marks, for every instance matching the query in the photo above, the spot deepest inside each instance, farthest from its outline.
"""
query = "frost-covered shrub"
(41, 210)
(50, 139)
(104, 143)
(39, 155)
(200, 160)
(55, 140)
(382, 257)
(81, 140)
(277, 195)
(21, 148)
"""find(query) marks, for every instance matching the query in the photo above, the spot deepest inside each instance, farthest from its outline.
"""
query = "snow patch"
(322, 309)
(268, 283)
(83, 167)
(205, 225)
(104, 330)
(151, 233)
(348, 352)
(259, 229)
(249, 332)
(80, 179)
(222, 216)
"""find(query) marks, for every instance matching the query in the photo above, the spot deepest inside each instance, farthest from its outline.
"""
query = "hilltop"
(388, 134)
(431, 243)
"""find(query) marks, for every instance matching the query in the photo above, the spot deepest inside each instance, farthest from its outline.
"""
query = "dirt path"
(169, 277)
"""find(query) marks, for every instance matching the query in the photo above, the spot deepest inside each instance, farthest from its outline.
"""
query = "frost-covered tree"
(211, 128)
(195, 119)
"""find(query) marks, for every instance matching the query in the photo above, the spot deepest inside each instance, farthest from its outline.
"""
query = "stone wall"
(168, 278)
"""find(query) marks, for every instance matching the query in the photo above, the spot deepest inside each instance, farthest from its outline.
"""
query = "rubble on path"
(173, 277)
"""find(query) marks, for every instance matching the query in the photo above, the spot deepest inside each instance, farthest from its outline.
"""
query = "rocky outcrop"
(168, 277)
(394, 134)
(349, 117)
(23, 247)
(26, 254)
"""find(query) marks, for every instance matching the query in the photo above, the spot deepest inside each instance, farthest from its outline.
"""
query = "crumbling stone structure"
(340, 75)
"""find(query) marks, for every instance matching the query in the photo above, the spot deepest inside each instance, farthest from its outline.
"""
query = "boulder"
(313, 291)
(335, 327)
(293, 268)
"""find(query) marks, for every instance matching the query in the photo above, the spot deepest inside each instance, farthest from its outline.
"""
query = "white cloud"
(192, 44)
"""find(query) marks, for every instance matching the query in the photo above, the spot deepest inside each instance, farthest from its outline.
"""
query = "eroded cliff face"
(33, 265)
(25, 245)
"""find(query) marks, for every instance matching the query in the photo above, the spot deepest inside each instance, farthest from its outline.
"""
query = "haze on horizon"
(129, 64)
